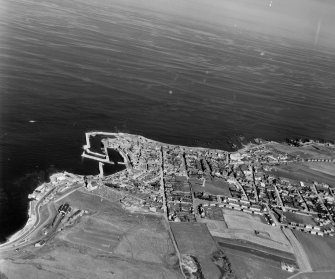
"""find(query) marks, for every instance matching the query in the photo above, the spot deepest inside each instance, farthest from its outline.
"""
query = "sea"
(68, 67)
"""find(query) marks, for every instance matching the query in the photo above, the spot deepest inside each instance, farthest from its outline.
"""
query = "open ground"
(304, 172)
(213, 186)
(107, 242)
(320, 251)
(250, 228)
(299, 218)
(194, 239)
(249, 266)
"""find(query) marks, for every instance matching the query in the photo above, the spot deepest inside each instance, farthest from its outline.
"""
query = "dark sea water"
(74, 67)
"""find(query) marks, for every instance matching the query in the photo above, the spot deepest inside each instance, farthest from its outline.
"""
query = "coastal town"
(205, 185)
(178, 177)
(260, 196)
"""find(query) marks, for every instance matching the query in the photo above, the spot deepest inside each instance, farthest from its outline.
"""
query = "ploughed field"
(307, 172)
(258, 250)
(321, 171)
(247, 265)
(320, 251)
(251, 228)
(316, 275)
(194, 239)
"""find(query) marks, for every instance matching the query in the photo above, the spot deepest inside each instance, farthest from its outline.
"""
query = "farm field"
(194, 239)
(301, 172)
(306, 152)
(323, 167)
(320, 250)
(95, 233)
(244, 226)
(316, 275)
(248, 266)
(246, 245)
(107, 242)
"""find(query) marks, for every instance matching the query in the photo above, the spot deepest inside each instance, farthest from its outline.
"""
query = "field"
(214, 186)
(44, 214)
(244, 226)
(248, 218)
(108, 242)
(95, 233)
(320, 250)
(298, 218)
(316, 275)
(214, 225)
(248, 266)
(305, 152)
(302, 172)
(214, 213)
(195, 239)
(217, 186)
(326, 168)
(263, 251)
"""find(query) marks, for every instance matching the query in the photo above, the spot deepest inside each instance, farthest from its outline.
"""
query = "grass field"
(214, 186)
(44, 213)
(214, 225)
(305, 152)
(108, 242)
(299, 218)
(230, 213)
(248, 266)
(326, 168)
(302, 172)
(195, 239)
(217, 186)
(243, 226)
(111, 229)
(253, 246)
(61, 260)
(316, 275)
(95, 233)
(85, 201)
(320, 250)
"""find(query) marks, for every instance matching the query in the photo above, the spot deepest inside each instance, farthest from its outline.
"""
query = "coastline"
(39, 197)
(202, 194)
(33, 208)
